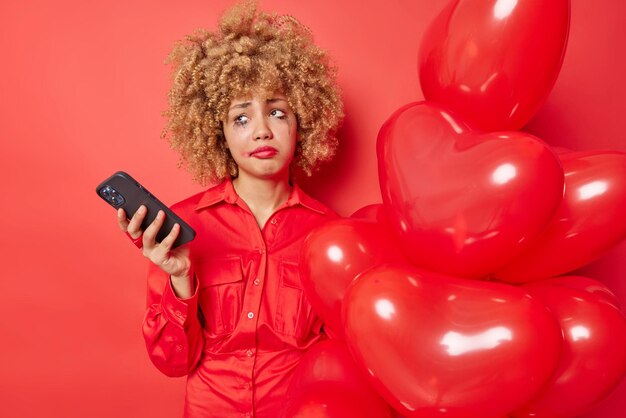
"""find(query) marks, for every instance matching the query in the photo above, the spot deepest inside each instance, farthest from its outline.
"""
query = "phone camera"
(112, 196)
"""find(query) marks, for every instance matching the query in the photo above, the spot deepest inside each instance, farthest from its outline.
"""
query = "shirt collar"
(222, 192)
(225, 192)
(298, 197)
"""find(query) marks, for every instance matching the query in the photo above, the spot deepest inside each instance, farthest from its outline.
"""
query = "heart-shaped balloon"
(585, 284)
(329, 362)
(463, 202)
(594, 355)
(333, 255)
(452, 348)
(494, 61)
(590, 219)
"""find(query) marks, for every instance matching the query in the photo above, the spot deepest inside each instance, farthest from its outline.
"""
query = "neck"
(263, 196)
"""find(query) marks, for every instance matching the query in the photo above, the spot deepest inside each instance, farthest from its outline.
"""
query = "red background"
(82, 88)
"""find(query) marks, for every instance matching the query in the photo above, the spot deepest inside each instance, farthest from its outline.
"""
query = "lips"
(264, 152)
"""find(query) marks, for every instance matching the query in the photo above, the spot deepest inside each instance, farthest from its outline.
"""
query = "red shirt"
(240, 335)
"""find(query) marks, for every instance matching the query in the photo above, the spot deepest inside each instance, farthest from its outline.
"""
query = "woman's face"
(261, 135)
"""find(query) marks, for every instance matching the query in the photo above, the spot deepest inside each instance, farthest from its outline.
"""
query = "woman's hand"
(174, 262)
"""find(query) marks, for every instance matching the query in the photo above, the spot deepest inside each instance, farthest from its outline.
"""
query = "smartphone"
(122, 191)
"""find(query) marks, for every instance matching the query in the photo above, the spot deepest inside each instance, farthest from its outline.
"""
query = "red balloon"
(588, 285)
(589, 220)
(462, 202)
(594, 355)
(494, 61)
(561, 150)
(446, 347)
(329, 362)
(334, 255)
(374, 212)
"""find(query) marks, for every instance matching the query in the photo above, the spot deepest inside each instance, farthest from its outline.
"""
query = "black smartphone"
(122, 191)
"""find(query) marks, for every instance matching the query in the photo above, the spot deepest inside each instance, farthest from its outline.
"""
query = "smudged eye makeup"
(241, 120)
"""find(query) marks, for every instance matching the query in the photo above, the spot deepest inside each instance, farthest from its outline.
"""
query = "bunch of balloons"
(443, 301)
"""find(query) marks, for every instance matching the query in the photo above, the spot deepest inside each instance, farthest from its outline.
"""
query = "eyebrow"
(244, 105)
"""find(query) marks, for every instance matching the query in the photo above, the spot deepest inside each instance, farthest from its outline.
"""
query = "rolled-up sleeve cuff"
(180, 311)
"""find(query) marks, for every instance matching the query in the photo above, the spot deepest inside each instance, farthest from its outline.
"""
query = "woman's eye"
(278, 113)
(241, 120)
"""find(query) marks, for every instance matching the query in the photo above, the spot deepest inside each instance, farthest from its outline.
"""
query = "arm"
(171, 327)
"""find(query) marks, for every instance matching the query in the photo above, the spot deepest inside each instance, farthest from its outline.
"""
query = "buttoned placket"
(252, 299)
(253, 294)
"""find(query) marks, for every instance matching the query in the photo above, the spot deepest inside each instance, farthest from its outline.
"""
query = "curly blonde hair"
(252, 51)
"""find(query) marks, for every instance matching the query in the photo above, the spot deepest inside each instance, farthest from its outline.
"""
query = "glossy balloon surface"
(590, 219)
(334, 255)
(594, 355)
(442, 347)
(587, 285)
(494, 61)
(463, 202)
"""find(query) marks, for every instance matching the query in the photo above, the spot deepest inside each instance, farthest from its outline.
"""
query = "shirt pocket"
(294, 316)
(221, 293)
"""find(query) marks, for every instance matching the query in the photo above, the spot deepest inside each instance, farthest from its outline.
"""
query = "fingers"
(122, 222)
(134, 226)
(162, 251)
(169, 240)
(171, 261)
(161, 254)
(149, 235)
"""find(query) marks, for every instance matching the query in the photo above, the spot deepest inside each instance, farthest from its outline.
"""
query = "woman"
(250, 105)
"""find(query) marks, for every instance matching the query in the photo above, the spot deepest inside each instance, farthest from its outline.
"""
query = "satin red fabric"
(239, 337)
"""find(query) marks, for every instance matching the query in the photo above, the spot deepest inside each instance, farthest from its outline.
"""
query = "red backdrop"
(83, 86)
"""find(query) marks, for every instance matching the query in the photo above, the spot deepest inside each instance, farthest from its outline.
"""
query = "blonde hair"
(251, 51)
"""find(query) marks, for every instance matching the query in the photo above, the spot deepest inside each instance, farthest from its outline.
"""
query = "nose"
(262, 131)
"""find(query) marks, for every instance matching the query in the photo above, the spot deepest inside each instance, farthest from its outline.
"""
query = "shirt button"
(178, 313)
(274, 221)
(250, 315)
(257, 282)
(250, 353)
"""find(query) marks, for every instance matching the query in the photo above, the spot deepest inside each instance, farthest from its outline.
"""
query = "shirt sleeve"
(171, 326)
